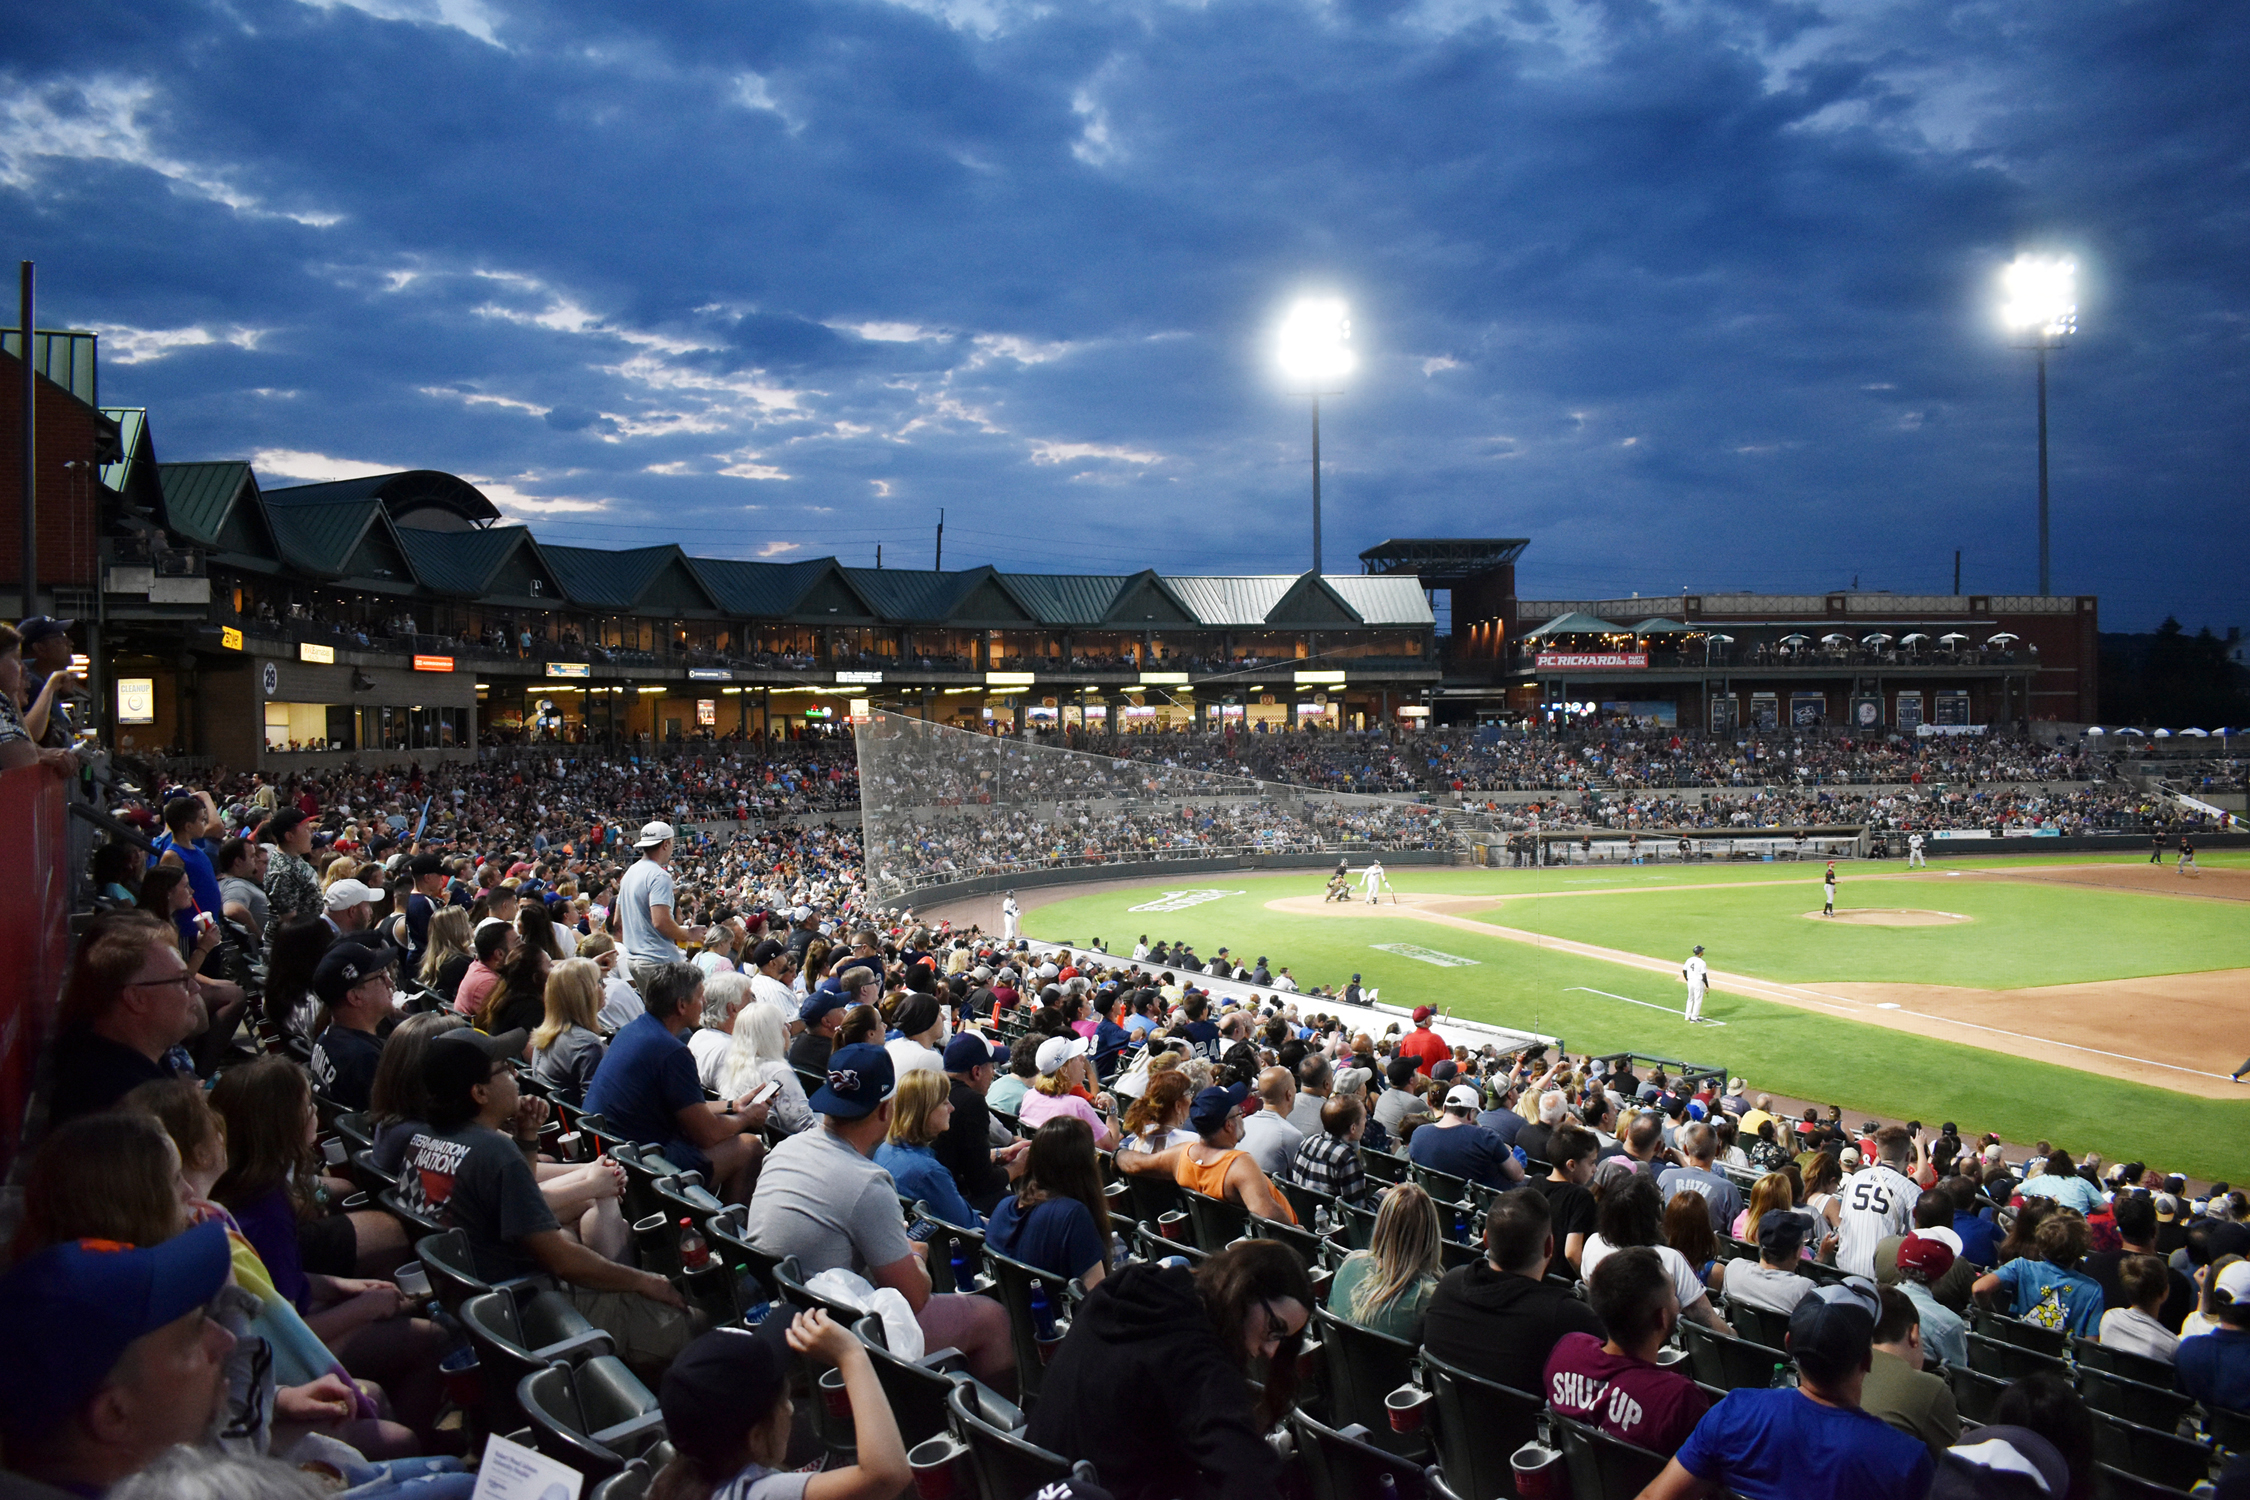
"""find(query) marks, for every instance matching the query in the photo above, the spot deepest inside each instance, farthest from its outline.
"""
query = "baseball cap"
(2231, 1295)
(425, 864)
(1445, 1068)
(457, 1061)
(1463, 1096)
(819, 1003)
(2167, 1206)
(1057, 1050)
(1213, 1105)
(75, 1307)
(39, 627)
(1398, 1071)
(766, 952)
(347, 893)
(718, 1383)
(653, 834)
(1782, 1232)
(282, 822)
(1834, 1324)
(1699, 947)
(348, 962)
(968, 1050)
(860, 1078)
(1422, 1013)
(1927, 1254)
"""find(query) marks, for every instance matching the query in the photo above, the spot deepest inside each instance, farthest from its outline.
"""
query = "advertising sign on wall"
(1595, 661)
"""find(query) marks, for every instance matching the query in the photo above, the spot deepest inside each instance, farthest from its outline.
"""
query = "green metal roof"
(460, 562)
(759, 589)
(1383, 599)
(1068, 598)
(613, 580)
(402, 493)
(1240, 599)
(924, 597)
(197, 497)
(1575, 623)
(321, 536)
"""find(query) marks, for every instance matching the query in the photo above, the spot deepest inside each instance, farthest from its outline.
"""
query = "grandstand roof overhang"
(429, 499)
(1441, 561)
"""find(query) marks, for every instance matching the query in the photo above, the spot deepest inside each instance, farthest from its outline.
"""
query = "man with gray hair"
(1536, 1137)
(1316, 1080)
(724, 995)
(647, 1088)
(1699, 1143)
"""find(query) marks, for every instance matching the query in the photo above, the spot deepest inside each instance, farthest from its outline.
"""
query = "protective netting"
(940, 805)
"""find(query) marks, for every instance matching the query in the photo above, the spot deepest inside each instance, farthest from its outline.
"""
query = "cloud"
(779, 549)
(1063, 453)
(461, 15)
(121, 345)
(315, 468)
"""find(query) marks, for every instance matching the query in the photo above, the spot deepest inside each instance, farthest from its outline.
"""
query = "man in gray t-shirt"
(645, 927)
(1700, 1144)
(822, 1199)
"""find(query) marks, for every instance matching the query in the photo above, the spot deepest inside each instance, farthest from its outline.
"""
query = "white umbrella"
(2129, 729)
(2002, 636)
(1834, 638)
(1908, 640)
(2200, 734)
(1877, 639)
(2163, 734)
(1724, 640)
(1796, 640)
(2095, 729)
(1946, 640)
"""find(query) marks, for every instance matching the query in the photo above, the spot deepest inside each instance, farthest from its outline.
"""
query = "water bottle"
(1385, 1486)
(1323, 1224)
(1042, 1313)
(1463, 1212)
(694, 1254)
(758, 1313)
(963, 1277)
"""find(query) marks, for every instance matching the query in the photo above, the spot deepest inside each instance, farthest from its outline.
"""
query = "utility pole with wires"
(30, 457)
(941, 539)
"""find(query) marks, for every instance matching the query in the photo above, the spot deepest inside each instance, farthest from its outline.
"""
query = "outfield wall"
(1166, 869)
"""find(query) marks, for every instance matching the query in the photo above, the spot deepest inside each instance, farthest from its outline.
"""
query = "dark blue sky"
(1692, 294)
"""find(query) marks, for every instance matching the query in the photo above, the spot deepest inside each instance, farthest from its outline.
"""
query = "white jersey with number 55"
(1871, 1206)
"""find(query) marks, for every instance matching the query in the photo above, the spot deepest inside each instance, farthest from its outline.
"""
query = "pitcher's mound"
(1891, 916)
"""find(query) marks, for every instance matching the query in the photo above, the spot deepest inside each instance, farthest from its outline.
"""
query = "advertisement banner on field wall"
(1961, 833)
(1582, 661)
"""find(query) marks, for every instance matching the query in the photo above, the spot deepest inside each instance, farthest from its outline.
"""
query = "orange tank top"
(1211, 1180)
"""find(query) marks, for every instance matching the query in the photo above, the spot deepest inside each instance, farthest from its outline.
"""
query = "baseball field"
(2095, 1001)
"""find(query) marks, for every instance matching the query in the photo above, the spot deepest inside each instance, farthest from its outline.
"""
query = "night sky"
(1694, 295)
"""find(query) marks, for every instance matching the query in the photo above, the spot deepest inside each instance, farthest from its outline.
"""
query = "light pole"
(1315, 349)
(2041, 310)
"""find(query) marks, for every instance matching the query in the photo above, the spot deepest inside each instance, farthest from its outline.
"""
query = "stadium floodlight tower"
(2041, 311)
(1316, 354)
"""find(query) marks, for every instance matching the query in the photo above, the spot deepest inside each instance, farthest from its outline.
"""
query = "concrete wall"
(1161, 869)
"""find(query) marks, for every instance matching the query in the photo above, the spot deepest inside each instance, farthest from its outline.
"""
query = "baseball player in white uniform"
(1915, 859)
(1828, 891)
(1698, 978)
(1372, 881)
(1010, 914)
(1874, 1203)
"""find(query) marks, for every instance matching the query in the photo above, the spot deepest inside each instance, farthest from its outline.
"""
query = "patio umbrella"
(1724, 640)
(1835, 637)
(2002, 636)
(2095, 729)
(2163, 734)
(1796, 640)
(1949, 639)
(2129, 729)
(2201, 734)
(1877, 639)
(1908, 640)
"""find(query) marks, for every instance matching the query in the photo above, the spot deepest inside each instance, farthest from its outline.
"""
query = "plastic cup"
(1538, 1472)
(332, 1152)
(1408, 1407)
(932, 1463)
(412, 1279)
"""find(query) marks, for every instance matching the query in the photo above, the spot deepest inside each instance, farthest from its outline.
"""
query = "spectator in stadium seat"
(728, 1414)
(1630, 1213)
(646, 1087)
(920, 1111)
(1502, 1119)
(129, 1005)
(1457, 1144)
(1811, 1441)
(356, 981)
(1062, 1089)
(1536, 1137)
(1924, 1262)
(1181, 1343)
(1387, 1286)
(2061, 1182)
(2214, 1367)
(1269, 1136)
(1568, 1200)
(1423, 1044)
(566, 1048)
(1499, 1317)
(2137, 1327)
(1898, 1389)
(1617, 1385)
(1973, 1222)
(1401, 1099)
(2135, 1217)
(1007, 1092)
(821, 1015)
(1212, 1165)
(1057, 1218)
(2047, 1288)
(115, 1357)
(1700, 1145)
(1771, 1282)
(822, 1198)
(1328, 1162)
(491, 944)
(1933, 1219)
(1316, 1081)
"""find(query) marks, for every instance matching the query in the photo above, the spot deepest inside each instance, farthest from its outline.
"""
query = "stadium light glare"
(2042, 311)
(1315, 351)
(2042, 296)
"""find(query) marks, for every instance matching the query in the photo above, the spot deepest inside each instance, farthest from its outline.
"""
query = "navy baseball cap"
(1213, 1105)
(860, 1078)
(1782, 1232)
(968, 1050)
(718, 1382)
(819, 1003)
(74, 1308)
(348, 961)
(39, 627)
(1835, 1323)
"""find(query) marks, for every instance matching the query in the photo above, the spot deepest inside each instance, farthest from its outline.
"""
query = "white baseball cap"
(345, 894)
(653, 834)
(1057, 1050)
(1462, 1096)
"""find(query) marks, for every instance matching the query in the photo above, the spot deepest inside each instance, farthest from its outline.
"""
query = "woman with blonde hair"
(759, 1055)
(1768, 1193)
(1387, 1286)
(448, 956)
(920, 1111)
(566, 1048)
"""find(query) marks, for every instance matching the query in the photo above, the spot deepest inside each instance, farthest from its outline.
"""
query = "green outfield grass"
(1778, 1047)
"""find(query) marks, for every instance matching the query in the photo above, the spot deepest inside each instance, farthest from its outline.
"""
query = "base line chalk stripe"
(1629, 1000)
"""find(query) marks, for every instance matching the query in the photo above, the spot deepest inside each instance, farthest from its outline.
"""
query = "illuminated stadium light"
(1315, 350)
(2042, 310)
(2042, 293)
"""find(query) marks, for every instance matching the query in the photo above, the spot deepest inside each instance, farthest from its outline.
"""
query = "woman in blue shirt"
(1057, 1219)
(920, 1111)
(2062, 1183)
